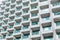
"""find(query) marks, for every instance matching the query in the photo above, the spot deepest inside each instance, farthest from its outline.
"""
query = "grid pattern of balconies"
(30, 20)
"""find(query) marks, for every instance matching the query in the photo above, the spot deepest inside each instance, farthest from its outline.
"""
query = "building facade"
(30, 20)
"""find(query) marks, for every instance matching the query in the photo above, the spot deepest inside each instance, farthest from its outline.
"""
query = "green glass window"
(42, 0)
(58, 34)
(13, 1)
(25, 36)
(45, 18)
(34, 23)
(18, 2)
(57, 23)
(4, 36)
(12, 6)
(56, 3)
(25, 4)
(5, 22)
(17, 38)
(18, 8)
(48, 38)
(25, 19)
(17, 30)
(12, 11)
(7, 9)
(45, 28)
(35, 32)
(25, 11)
(17, 23)
(25, 26)
(5, 29)
(10, 33)
(11, 26)
(33, 0)
(34, 6)
(8, 0)
(5, 16)
(34, 14)
(57, 13)
(0, 37)
(7, 4)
